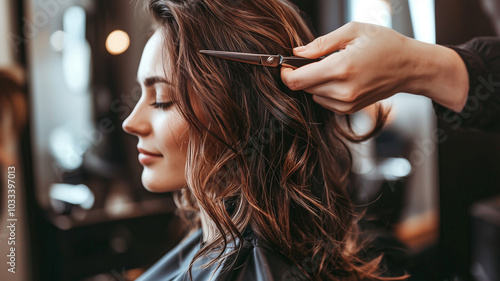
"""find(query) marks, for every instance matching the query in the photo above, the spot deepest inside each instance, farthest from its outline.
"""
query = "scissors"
(261, 59)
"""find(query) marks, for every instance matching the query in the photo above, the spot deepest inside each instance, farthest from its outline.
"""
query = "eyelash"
(162, 105)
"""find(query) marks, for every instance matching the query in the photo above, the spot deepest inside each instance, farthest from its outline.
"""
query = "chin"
(153, 188)
(159, 185)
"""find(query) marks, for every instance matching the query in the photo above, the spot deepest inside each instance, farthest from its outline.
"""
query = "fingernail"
(300, 49)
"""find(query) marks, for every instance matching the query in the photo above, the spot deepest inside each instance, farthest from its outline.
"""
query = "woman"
(260, 169)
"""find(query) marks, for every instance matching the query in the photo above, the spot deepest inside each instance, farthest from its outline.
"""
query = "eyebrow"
(150, 81)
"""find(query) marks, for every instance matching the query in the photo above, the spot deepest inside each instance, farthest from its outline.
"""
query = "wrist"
(440, 74)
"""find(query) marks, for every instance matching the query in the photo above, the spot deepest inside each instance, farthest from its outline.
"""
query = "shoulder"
(257, 260)
(176, 261)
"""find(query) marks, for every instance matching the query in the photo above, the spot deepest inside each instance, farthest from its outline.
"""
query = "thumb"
(329, 43)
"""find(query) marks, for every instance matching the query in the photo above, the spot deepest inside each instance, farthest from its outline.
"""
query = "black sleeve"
(482, 110)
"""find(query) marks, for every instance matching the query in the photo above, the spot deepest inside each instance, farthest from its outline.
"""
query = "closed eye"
(162, 105)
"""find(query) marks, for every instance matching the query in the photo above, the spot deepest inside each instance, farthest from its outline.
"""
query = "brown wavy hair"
(278, 156)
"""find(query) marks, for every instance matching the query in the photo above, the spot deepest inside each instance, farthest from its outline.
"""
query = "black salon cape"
(256, 261)
(482, 111)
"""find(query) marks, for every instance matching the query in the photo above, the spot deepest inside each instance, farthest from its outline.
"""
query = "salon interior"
(81, 212)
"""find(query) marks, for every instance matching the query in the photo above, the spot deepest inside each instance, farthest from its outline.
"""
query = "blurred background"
(67, 81)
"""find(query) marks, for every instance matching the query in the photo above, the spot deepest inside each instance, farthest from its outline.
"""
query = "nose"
(137, 122)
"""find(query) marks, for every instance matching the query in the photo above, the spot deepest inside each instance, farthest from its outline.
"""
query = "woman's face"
(161, 130)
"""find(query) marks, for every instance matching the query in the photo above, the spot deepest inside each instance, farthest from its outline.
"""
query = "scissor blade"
(237, 56)
(296, 62)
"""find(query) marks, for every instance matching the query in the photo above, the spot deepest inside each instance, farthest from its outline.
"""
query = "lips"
(147, 157)
(146, 152)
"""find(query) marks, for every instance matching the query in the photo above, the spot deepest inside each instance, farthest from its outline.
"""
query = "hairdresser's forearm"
(439, 74)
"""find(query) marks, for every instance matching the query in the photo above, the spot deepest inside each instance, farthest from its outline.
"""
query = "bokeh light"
(117, 42)
(57, 40)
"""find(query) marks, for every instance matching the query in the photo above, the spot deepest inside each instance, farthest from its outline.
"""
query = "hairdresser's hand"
(375, 63)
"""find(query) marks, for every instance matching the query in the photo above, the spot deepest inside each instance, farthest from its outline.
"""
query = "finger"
(340, 91)
(286, 73)
(334, 105)
(329, 43)
(343, 107)
(329, 69)
(336, 90)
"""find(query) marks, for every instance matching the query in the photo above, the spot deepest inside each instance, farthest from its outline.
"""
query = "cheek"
(173, 137)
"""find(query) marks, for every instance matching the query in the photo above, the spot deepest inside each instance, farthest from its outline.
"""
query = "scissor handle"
(296, 62)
